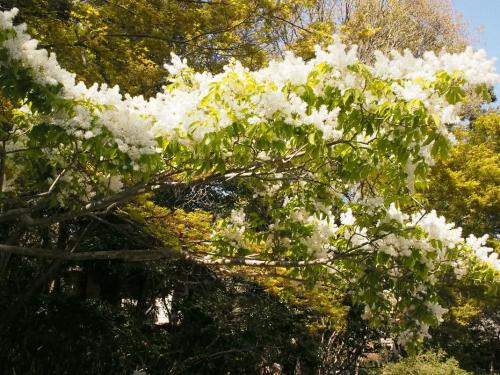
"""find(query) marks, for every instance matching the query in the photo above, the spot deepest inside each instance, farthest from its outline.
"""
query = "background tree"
(127, 42)
(465, 188)
(419, 26)
(468, 191)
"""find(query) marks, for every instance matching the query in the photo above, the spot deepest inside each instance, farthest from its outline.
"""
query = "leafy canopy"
(331, 148)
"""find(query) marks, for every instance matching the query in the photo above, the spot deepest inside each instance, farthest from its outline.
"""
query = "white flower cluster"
(23, 48)
(422, 328)
(437, 310)
(484, 253)
(135, 123)
(124, 116)
(435, 228)
(475, 65)
(323, 229)
(399, 243)
(234, 231)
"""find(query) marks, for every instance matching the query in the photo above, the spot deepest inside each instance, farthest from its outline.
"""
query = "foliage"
(420, 26)
(182, 229)
(204, 305)
(176, 228)
(467, 182)
(224, 327)
(428, 363)
(469, 331)
(299, 175)
(127, 42)
(50, 329)
(332, 149)
(466, 186)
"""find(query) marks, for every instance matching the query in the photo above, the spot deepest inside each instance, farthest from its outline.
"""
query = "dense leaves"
(305, 176)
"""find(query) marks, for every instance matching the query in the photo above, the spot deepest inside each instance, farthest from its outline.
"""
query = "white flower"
(176, 64)
(264, 156)
(115, 183)
(254, 120)
(437, 228)
(410, 91)
(483, 253)
(393, 213)
(346, 218)
(238, 217)
(135, 123)
(437, 310)
(449, 116)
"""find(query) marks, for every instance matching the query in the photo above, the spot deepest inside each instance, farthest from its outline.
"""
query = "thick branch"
(24, 214)
(127, 255)
(3, 158)
(156, 254)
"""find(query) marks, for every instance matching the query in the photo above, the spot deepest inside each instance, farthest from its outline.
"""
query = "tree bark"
(160, 253)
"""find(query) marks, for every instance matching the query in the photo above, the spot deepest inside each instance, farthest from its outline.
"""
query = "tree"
(222, 319)
(330, 138)
(127, 42)
(465, 189)
(469, 192)
(144, 34)
(420, 26)
(469, 332)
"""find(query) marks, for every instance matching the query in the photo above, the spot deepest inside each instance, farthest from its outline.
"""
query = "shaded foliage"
(217, 326)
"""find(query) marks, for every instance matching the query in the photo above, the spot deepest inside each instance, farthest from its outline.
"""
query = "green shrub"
(429, 363)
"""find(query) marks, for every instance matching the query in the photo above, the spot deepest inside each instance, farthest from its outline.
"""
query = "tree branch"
(24, 214)
(157, 254)
(127, 255)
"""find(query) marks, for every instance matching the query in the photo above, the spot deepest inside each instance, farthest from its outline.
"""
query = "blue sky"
(483, 14)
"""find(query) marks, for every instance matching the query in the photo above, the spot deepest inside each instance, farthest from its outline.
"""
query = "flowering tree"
(331, 149)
